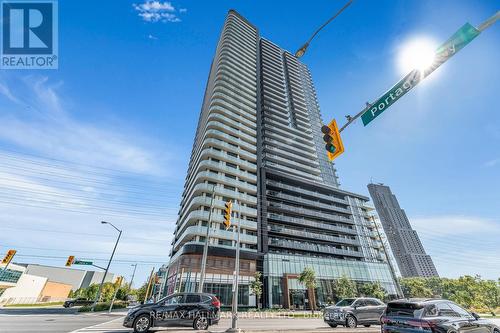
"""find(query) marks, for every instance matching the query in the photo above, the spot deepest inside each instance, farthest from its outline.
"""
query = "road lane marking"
(96, 328)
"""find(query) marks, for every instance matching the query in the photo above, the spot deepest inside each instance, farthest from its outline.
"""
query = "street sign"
(444, 52)
(82, 262)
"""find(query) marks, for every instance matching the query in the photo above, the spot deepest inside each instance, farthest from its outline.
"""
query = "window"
(232, 154)
(460, 312)
(360, 303)
(231, 165)
(174, 300)
(192, 299)
(442, 310)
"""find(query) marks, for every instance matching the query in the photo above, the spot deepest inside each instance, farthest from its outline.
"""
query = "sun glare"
(416, 54)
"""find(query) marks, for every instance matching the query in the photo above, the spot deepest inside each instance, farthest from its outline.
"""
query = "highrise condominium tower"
(406, 246)
(258, 143)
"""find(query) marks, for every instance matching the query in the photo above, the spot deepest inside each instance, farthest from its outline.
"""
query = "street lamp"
(98, 296)
(133, 274)
(300, 52)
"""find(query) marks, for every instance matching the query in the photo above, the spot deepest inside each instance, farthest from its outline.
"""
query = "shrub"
(104, 306)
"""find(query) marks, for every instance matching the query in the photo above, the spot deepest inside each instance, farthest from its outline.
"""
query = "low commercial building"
(32, 283)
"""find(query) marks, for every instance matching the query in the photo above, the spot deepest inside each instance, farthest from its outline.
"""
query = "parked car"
(351, 312)
(432, 315)
(77, 301)
(198, 310)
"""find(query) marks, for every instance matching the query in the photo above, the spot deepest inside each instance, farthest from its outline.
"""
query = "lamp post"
(133, 274)
(300, 52)
(98, 296)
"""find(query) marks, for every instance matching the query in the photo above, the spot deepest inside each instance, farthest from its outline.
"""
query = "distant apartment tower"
(259, 142)
(406, 246)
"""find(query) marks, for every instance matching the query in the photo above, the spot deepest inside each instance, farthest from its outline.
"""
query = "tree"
(308, 278)
(140, 293)
(256, 287)
(415, 287)
(373, 289)
(344, 287)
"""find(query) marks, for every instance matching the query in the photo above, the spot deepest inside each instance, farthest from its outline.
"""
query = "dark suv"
(198, 310)
(432, 316)
(77, 301)
(353, 311)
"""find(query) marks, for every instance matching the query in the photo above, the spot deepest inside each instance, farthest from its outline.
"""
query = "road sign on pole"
(82, 262)
(444, 52)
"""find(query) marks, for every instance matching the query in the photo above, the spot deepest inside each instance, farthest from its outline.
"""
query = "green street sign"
(82, 262)
(444, 52)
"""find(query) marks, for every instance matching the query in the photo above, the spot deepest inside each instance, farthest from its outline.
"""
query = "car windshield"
(346, 302)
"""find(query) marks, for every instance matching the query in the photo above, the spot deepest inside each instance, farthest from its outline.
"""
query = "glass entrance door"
(297, 299)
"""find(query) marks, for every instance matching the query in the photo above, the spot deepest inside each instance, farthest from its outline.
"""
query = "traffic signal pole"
(234, 312)
(205, 247)
(98, 296)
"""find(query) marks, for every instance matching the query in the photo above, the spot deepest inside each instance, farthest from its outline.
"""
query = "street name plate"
(444, 52)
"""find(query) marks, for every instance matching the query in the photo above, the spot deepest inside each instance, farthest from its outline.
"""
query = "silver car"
(351, 312)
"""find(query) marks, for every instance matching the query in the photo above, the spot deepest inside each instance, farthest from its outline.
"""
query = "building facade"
(259, 144)
(408, 251)
(32, 283)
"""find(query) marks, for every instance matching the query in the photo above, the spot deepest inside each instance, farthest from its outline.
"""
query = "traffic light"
(227, 215)
(333, 143)
(8, 257)
(70, 260)
(119, 281)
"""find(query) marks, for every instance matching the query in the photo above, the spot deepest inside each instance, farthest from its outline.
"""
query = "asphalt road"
(49, 320)
(60, 320)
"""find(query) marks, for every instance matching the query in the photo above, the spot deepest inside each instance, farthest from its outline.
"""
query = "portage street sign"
(444, 52)
(82, 262)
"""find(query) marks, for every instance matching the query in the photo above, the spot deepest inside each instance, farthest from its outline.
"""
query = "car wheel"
(70, 305)
(351, 322)
(200, 322)
(333, 325)
(142, 323)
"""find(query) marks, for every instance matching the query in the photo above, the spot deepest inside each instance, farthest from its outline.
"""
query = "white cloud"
(461, 245)
(44, 126)
(455, 225)
(491, 163)
(157, 11)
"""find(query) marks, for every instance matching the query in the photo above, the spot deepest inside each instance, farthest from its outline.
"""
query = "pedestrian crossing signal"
(227, 215)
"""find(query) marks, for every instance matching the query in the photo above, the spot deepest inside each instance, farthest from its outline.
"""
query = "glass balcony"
(301, 221)
(312, 247)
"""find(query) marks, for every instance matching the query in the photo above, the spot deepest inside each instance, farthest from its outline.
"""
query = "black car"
(432, 315)
(198, 310)
(77, 301)
(352, 312)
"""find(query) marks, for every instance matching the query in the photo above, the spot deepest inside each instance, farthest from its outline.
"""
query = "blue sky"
(108, 135)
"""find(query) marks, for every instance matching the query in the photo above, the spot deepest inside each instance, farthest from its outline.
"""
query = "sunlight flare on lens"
(417, 54)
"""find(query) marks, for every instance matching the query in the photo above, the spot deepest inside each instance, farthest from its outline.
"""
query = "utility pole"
(393, 273)
(234, 315)
(120, 279)
(149, 285)
(205, 247)
(98, 296)
(133, 274)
